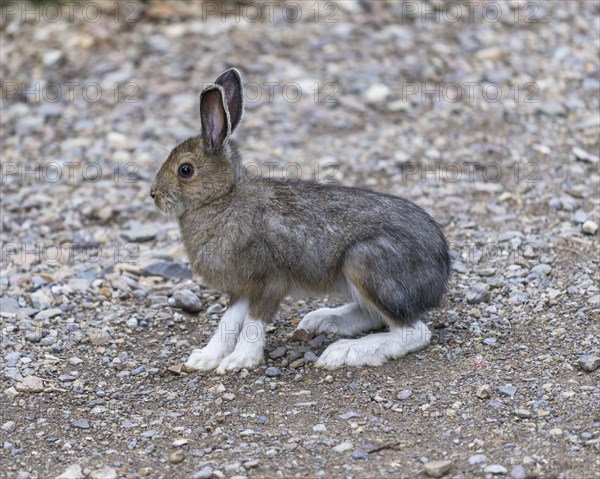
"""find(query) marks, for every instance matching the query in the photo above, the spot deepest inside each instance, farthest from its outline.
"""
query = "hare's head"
(202, 168)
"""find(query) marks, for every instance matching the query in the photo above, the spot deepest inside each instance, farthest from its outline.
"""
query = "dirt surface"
(399, 97)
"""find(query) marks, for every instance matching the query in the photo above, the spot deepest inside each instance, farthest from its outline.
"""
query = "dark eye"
(186, 170)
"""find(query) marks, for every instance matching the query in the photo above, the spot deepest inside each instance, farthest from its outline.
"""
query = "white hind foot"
(348, 320)
(249, 350)
(223, 340)
(375, 349)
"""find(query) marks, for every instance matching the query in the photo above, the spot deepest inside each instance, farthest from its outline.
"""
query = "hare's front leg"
(223, 340)
(249, 350)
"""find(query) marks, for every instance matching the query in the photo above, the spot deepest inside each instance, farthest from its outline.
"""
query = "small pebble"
(343, 447)
(30, 384)
(176, 457)
(251, 464)
(404, 394)
(589, 227)
(72, 472)
(589, 362)
(278, 352)
(81, 423)
(518, 472)
(205, 473)
(484, 391)
(310, 357)
(104, 473)
(8, 426)
(272, 372)
(187, 300)
(523, 413)
(495, 469)
(437, 468)
(214, 309)
(508, 390)
(477, 459)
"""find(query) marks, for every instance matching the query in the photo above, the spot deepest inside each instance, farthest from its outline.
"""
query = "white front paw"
(241, 359)
(204, 359)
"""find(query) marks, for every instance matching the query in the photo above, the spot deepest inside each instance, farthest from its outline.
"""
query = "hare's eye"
(186, 170)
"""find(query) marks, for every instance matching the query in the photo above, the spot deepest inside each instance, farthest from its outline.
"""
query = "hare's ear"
(214, 117)
(231, 81)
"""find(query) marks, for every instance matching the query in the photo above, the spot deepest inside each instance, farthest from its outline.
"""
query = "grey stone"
(81, 423)
(580, 217)
(214, 309)
(251, 464)
(168, 270)
(343, 447)
(478, 294)
(49, 313)
(518, 472)
(316, 342)
(541, 270)
(12, 359)
(186, 300)
(589, 362)
(8, 426)
(272, 372)
(41, 299)
(9, 305)
(437, 468)
(404, 394)
(34, 336)
(477, 459)
(508, 390)
(582, 155)
(552, 108)
(359, 454)
(495, 469)
(205, 473)
(72, 472)
(523, 413)
(104, 473)
(348, 415)
(310, 357)
(30, 384)
(140, 232)
(278, 352)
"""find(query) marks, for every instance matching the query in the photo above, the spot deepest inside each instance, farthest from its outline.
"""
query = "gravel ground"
(98, 306)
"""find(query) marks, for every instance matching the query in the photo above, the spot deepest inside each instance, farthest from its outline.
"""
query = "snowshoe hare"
(261, 239)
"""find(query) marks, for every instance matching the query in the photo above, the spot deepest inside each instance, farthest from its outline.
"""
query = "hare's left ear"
(214, 118)
(231, 82)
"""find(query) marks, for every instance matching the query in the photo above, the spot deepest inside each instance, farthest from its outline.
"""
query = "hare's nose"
(152, 193)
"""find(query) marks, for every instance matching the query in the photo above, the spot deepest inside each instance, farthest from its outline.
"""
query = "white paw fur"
(375, 349)
(249, 350)
(223, 340)
(204, 359)
(347, 320)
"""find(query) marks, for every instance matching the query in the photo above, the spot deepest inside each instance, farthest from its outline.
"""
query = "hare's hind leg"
(348, 320)
(375, 349)
(223, 340)
(378, 275)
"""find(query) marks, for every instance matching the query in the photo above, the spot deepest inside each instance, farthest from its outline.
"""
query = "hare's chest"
(211, 255)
